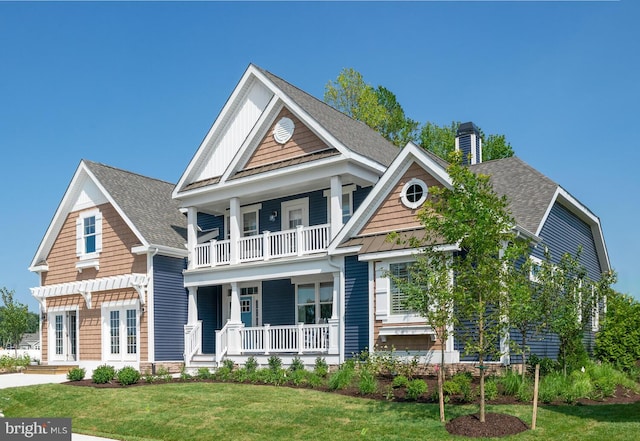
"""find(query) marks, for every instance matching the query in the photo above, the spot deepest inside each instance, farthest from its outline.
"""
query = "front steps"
(48, 369)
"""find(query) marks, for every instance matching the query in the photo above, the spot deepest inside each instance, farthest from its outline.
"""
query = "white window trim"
(535, 262)
(122, 306)
(88, 260)
(347, 189)
(316, 284)
(226, 305)
(51, 313)
(403, 194)
(287, 205)
(243, 210)
(383, 294)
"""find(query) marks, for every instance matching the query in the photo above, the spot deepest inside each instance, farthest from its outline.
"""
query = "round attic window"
(414, 193)
(283, 131)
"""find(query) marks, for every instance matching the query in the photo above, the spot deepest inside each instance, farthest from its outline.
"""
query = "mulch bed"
(495, 425)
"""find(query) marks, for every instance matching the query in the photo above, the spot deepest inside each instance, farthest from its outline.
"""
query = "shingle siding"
(170, 305)
(356, 315)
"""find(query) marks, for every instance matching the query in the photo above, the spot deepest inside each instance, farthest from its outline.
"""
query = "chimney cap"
(467, 128)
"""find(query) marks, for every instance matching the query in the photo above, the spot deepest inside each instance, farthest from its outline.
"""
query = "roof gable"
(238, 134)
(145, 205)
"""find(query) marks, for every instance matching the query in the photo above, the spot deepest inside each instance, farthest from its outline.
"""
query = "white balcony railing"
(298, 339)
(192, 339)
(265, 246)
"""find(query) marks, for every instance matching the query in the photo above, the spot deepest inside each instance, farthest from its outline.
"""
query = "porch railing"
(298, 242)
(192, 339)
(298, 338)
(222, 342)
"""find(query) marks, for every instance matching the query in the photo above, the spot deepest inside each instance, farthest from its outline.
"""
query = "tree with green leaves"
(13, 319)
(471, 216)
(618, 341)
(429, 292)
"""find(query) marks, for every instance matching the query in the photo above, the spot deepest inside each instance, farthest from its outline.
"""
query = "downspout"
(151, 347)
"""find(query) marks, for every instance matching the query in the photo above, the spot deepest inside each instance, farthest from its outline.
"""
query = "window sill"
(406, 330)
(88, 263)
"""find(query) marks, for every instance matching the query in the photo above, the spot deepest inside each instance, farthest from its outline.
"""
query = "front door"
(246, 310)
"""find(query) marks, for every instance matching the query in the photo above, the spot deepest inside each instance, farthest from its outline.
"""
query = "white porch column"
(234, 228)
(192, 235)
(336, 205)
(192, 314)
(334, 321)
(235, 323)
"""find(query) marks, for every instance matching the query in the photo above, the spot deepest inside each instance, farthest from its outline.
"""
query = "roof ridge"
(87, 161)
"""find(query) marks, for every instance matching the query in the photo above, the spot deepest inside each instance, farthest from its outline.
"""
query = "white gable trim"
(408, 155)
(564, 198)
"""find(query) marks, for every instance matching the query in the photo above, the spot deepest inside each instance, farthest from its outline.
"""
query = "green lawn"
(209, 411)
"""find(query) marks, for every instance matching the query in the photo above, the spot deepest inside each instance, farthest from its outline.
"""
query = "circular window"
(283, 131)
(414, 193)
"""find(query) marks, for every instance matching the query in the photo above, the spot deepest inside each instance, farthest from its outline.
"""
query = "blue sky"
(137, 85)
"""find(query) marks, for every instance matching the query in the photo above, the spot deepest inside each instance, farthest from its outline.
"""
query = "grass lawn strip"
(205, 411)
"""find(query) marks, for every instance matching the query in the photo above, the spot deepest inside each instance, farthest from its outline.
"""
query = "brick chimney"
(469, 142)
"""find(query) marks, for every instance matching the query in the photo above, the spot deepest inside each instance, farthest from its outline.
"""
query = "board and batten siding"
(303, 142)
(392, 215)
(170, 305)
(356, 308)
(115, 258)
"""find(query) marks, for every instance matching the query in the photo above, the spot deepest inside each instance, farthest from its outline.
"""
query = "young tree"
(473, 217)
(524, 312)
(429, 292)
(13, 319)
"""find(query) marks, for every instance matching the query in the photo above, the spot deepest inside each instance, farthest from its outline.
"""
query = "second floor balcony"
(300, 241)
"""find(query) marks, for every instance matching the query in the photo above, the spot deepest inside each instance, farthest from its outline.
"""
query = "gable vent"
(283, 131)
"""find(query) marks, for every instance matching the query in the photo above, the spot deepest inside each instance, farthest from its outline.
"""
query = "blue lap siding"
(210, 313)
(356, 316)
(278, 302)
(169, 308)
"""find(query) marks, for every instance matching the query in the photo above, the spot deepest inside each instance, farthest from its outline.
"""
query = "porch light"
(273, 216)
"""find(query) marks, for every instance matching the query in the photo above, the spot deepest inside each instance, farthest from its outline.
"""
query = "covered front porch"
(289, 317)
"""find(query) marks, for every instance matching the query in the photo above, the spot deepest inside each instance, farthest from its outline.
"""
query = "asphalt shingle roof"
(529, 191)
(355, 135)
(147, 202)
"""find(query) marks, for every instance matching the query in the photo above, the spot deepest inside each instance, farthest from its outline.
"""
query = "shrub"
(227, 363)
(149, 377)
(298, 376)
(547, 365)
(367, 383)
(578, 386)
(251, 364)
(128, 375)
(184, 375)
(164, 374)
(490, 389)
(450, 387)
(321, 369)
(409, 368)
(342, 378)
(400, 381)
(204, 374)
(618, 341)
(76, 374)
(511, 383)
(275, 363)
(551, 387)
(416, 388)
(103, 374)
(13, 364)
(223, 373)
(296, 364)
(463, 380)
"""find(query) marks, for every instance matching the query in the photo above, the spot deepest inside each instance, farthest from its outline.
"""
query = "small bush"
(367, 383)
(416, 388)
(76, 374)
(227, 363)
(204, 374)
(251, 364)
(299, 377)
(184, 375)
(551, 387)
(400, 381)
(450, 387)
(13, 364)
(296, 364)
(342, 378)
(547, 365)
(128, 375)
(511, 383)
(163, 374)
(275, 363)
(490, 389)
(103, 374)
(223, 374)
(321, 369)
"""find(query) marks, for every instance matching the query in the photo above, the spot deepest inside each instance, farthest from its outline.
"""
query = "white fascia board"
(409, 252)
(270, 270)
(409, 154)
(564, 198)
(315, 127)
(160, 249)
(240, 89)
(346, 250)
(290, 178)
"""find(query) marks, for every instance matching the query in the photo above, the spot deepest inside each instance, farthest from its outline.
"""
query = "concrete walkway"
(16, 380)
